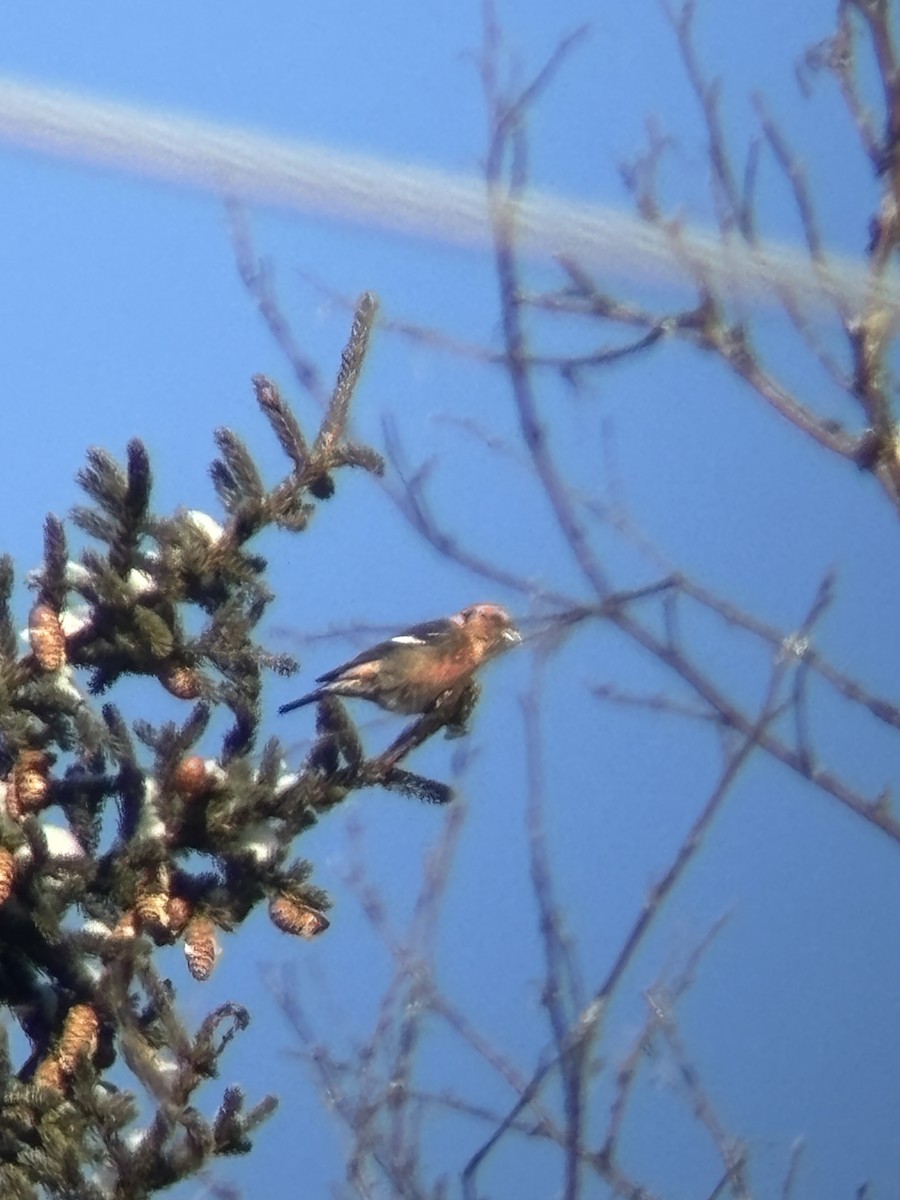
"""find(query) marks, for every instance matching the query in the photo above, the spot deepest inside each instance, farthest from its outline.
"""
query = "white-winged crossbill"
(413, 671)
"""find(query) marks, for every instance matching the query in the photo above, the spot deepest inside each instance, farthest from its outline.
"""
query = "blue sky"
(123, 315)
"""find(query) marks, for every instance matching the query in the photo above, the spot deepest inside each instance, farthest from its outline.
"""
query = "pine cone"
(45, 633)
(191, 778)
(7, 873)
(30, 782)
(183, 682)
(298, 919)
(79, 1036)
(200, 947)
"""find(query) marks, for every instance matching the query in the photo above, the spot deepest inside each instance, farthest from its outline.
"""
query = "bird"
(416, 669)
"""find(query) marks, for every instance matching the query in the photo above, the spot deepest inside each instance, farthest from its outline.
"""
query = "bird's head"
(489, 626)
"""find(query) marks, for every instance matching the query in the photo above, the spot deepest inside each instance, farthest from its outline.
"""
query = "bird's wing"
(416, 635)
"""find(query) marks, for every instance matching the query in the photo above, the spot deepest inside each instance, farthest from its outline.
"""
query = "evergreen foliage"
(85, 901)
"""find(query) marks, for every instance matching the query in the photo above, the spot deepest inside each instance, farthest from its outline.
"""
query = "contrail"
(416, 200)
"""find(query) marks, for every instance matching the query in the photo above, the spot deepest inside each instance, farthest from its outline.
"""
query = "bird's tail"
(310, 698)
